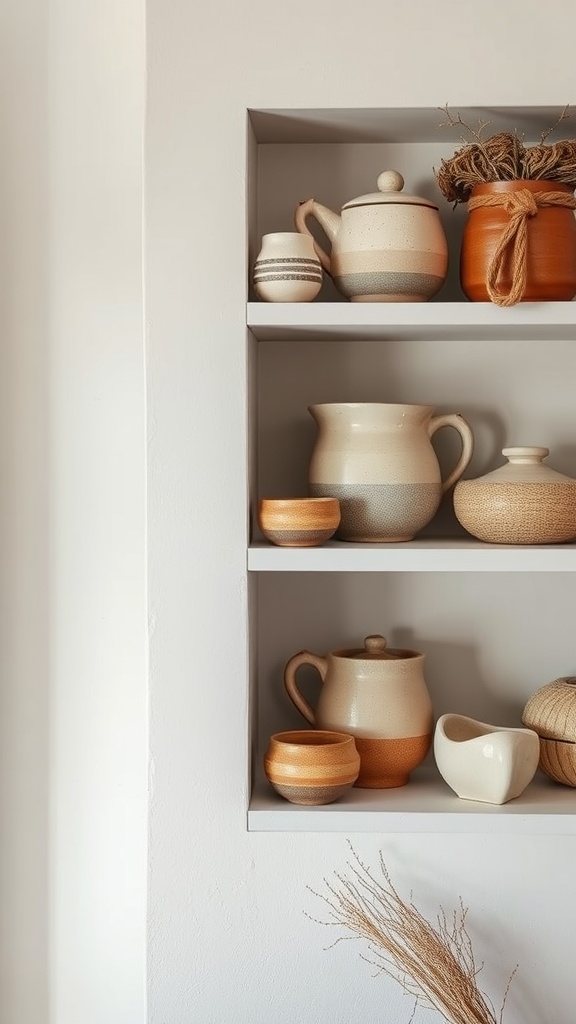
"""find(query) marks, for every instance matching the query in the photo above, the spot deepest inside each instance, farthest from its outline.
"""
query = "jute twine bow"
(519, 206)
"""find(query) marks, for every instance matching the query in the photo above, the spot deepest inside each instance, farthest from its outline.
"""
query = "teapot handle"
(457, 421)
(306, 209)
(303, 658)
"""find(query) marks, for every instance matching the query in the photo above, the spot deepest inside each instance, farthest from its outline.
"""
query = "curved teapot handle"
(306, 209)
(303, 658)
(454, 419)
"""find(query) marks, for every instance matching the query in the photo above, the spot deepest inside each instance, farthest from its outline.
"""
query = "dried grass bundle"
(433, 962)
(504, 157)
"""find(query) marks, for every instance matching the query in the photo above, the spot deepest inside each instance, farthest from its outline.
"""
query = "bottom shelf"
(426, 804)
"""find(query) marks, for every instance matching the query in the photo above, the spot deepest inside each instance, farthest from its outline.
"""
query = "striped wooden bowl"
(311, 766)
(298, 522)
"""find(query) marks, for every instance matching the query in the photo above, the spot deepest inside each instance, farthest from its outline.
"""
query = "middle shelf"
(420, 555)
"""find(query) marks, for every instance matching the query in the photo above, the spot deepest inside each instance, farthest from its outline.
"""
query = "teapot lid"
(390, 185)
(375, 650)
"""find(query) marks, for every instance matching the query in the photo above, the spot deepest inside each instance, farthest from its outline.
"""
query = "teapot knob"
(375, 644)
(390, 181)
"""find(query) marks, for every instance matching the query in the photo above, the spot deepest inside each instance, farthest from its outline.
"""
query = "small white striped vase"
(287, 268)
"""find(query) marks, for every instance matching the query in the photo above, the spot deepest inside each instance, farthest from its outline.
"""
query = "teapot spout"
(327, 219)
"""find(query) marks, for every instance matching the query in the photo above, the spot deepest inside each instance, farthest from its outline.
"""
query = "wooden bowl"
(558, 760)
(298, 522)
(311, 766)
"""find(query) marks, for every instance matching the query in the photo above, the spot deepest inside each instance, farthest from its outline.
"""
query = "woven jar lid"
(551, 710)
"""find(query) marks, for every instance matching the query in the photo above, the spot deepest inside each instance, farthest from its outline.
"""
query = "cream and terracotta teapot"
(386, 246)
(379, 696)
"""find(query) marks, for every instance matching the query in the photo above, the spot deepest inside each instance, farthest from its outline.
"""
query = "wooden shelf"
(349, 321)
(426, 804)
(415, 556)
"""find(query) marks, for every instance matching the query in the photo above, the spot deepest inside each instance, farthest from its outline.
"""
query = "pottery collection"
(374, 477)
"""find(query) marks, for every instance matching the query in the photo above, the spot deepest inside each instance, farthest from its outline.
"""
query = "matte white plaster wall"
(228, 938)
(97, 613)
(73, 631)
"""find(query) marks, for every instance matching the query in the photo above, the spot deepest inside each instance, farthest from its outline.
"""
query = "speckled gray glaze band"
(381, 512)
(389, 283)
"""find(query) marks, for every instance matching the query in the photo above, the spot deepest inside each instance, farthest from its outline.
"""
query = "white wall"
(73, 637)
(228, 937)
(98, 629)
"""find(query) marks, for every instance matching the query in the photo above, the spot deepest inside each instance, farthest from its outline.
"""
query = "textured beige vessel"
(551, 712)
(377, 695)
(386, 246)
(310, 766)
(523, 502)
(298, 522)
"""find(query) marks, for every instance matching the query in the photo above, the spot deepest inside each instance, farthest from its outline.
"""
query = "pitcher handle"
(303, 658)
(454, 419)
(308, 209)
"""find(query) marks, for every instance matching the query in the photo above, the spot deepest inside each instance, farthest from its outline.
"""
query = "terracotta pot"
(550, 245)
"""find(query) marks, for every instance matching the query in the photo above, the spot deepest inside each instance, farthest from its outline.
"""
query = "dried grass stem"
(433, 962)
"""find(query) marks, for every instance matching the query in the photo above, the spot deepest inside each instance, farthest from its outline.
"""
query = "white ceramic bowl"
(489, 763)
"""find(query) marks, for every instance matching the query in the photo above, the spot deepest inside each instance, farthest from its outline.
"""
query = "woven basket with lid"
(551, 712)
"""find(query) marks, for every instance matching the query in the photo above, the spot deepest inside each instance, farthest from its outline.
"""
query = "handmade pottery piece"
(379, 696)
(386, 246)
(378, 460)
(311, 766)
(551, 712)
(522, 502)
(489, 763)
(287, 268)
(549, 251)
(298, 522)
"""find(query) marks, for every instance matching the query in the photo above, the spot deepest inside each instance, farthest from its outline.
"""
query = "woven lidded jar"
(551, 712)
(522, 502)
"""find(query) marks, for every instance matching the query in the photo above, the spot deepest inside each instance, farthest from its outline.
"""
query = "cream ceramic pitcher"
(378, 460)
(379, 696)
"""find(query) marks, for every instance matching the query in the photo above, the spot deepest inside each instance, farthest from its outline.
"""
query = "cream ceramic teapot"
(379, 696)
(386, 246)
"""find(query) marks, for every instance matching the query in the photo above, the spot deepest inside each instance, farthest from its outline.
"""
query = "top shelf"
(528, 321)
(393, 124)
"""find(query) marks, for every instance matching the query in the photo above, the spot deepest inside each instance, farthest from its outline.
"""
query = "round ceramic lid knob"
(390, 181)
(375, 644)
(526, 455)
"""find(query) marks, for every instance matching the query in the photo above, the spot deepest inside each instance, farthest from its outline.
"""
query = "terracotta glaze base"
(387, 763)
